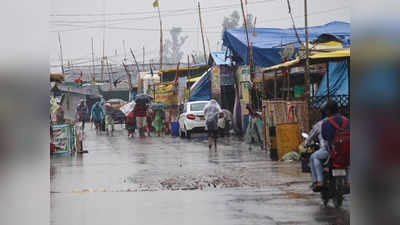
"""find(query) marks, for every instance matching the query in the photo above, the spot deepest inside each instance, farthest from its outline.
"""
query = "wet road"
(165, 180)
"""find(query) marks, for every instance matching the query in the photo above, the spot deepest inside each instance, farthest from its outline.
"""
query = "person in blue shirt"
(326, 132)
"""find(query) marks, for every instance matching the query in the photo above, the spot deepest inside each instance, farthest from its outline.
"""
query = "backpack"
(340, 148)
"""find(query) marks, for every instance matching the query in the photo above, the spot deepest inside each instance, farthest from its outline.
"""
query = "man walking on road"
(211, 113)
(82, 113)
(108, 118)
(140, 111)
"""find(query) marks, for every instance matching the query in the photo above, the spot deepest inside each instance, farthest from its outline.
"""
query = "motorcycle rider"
(317, 158)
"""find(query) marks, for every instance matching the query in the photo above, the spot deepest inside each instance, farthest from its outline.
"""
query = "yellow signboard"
(287, 138)
(167, 94)
(216, 88)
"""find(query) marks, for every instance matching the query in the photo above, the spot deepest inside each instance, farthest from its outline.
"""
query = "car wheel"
(181, 133)
(188, 133)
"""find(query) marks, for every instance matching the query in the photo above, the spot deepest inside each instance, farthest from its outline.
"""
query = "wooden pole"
(202, 35)
(275, 85)
(327, 81)
(143, 59)
(288, 86)
(307, 72)
(109, 75)
(194, 59)
(61, 55)
(129, 80)
(161, 38)
(248, 42)
(250, 55)
(189, 74)
(134, 58)
(93, 69)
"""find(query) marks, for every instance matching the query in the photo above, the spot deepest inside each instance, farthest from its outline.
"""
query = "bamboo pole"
(161, 38)
(275, 85)
(143, 59)
(189, 73)
(129, 80)
(327, 81)
(202, 34)
(61, 55)
(307, 72)
(93, 69)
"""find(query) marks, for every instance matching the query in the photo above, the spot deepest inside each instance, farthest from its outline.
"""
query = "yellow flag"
(155, 3)
(246, 2)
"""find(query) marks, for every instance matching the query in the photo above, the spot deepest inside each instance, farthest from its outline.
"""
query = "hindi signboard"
(215, 82)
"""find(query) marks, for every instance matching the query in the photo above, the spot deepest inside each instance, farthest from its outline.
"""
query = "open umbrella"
(126, 109)
(143, 99)
(158, 106)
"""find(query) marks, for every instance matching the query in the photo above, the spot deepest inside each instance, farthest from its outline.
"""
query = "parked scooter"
(335, 180)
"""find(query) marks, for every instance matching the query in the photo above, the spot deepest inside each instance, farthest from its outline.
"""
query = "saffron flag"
(155, 4)
(78, 80)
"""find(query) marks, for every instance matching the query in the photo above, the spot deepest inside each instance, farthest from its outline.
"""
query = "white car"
(192, 118)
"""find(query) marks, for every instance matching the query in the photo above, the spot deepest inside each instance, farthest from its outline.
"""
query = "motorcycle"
(335, 179)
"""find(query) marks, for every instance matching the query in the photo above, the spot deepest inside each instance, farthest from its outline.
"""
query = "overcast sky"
(136, 22)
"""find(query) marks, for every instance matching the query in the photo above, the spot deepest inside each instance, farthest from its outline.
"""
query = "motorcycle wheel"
(338, 201)
(325, 197)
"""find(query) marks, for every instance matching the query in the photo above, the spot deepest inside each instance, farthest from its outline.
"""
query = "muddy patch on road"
(204, 182)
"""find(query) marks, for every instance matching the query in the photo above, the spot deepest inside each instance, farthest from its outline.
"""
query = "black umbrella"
(143, 99)
(158, 106)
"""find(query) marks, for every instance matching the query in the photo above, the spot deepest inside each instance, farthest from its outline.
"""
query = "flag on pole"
(246, 2)
(177, 72)
(155, 4)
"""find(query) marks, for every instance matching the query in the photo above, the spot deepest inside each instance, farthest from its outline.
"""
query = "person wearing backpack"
(96, 115)
(327, 132)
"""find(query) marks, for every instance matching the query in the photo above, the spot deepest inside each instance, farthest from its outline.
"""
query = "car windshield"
(197, 106)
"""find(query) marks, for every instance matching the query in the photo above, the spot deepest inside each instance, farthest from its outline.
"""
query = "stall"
(329, 79)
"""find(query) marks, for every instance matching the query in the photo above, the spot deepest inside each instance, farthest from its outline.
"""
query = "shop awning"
(332, 55)
(317, 58)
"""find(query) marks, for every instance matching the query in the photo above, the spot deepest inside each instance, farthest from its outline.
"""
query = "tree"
(172, 47)
(231, 22)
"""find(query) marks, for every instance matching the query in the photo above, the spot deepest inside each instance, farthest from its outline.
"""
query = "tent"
(201, 89)
(269, 42)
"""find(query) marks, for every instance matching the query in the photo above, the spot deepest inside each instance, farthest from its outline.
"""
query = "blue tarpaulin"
(269, 42)
(338, 80)
(201, 89)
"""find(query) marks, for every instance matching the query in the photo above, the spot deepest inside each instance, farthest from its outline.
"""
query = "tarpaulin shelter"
(220, 58)
(269, 42)
(338, 80)
(201, 89)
